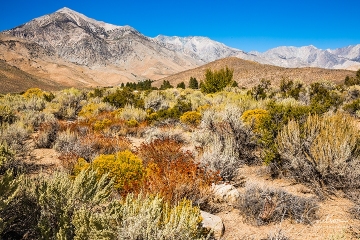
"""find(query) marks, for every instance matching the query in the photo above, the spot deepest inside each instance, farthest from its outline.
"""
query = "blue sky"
(247, 25)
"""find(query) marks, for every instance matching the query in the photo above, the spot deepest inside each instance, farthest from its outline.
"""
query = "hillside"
(15, 80)
(249, 73)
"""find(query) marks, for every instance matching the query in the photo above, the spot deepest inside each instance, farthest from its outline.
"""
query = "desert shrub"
(262, 90)
(323, 97)
(7, 115)
(131, 113)
(66, 142)
(350, 81)
(226, 142)
(59, 198)
(66, 104)
(101, 144)
(254, 118)
(34, 119)
(9, 187)
(174, 174)
(156, 100)
(324, 151)
(163, 133)
(7, 158)
(94, 107)
(125, 167)
(16, 136)
(289, 88)
(279, 114)
(100, 125)
(352, 107)
(141, 218)
(196, 98)
(263, 205)
(191, 118)
(47, 134)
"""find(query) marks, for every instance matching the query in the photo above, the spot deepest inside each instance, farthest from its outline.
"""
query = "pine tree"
(193, 84)
(181, 85)
(217, 80)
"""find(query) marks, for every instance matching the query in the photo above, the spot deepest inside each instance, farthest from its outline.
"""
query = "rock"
(226, 193)
(213, 223)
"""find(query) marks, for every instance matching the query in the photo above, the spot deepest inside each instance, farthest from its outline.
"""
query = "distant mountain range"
(70, 49)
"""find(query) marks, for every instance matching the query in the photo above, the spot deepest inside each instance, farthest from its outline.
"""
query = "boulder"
(226, 193)
(213, 223)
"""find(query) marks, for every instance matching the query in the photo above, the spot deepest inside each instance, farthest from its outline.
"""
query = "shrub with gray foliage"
(225, 140)
(263, 205)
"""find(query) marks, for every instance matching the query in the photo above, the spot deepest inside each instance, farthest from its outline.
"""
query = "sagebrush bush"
(59, 198)
(324, 151)
(16, 136)
(226, 142)
(7, 158)
(7, 115)
(125, 167)
(66, 104)
(132, 113)
(263, 205)
(9, 187)
(94, 107)
(163, 133)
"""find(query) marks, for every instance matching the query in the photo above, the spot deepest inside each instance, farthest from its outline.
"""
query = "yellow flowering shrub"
(125, 167)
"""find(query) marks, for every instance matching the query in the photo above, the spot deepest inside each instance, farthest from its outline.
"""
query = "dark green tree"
(217, 80)
(122, 97)
(181, 85)
(165, 85)
(193, 83)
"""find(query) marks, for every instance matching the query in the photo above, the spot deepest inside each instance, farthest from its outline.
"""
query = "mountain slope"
(310, 56)
(78, 39)
(249, 73)
(14, 80)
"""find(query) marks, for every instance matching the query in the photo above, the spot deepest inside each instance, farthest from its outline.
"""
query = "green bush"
(124, 97)
(193, 83)
(217, 80)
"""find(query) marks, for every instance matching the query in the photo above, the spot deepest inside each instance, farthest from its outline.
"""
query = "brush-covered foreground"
(141, 164)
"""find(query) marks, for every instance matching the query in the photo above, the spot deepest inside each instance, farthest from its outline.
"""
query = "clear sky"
(247, 25)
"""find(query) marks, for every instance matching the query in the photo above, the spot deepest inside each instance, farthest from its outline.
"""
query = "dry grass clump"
(324, 151)
(263, 205)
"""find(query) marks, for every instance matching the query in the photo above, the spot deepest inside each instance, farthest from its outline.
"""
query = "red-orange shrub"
(173, 173)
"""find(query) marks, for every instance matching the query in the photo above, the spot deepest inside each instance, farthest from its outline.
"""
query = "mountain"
(67, 48)
(310, 56)
(77, 39)
(249, 73)
(200, 48)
